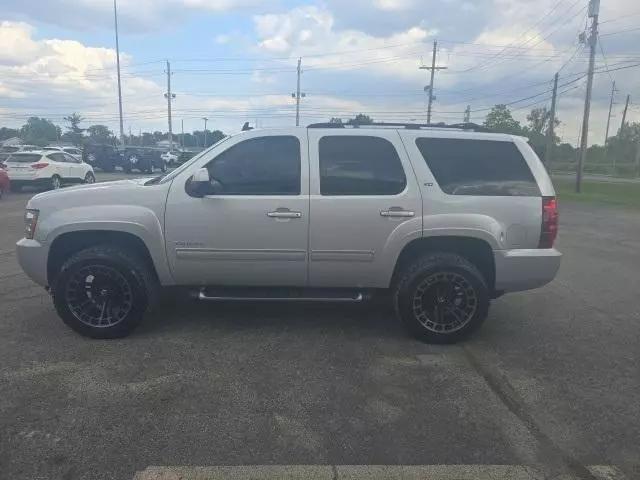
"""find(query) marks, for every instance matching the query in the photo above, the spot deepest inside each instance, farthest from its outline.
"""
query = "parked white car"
(51, 169)
(170, 158)
(73, 151)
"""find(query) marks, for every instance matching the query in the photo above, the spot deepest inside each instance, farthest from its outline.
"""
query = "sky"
(235, 60)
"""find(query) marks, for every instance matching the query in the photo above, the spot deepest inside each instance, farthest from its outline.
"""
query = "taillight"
(38, 166)
(549, 230)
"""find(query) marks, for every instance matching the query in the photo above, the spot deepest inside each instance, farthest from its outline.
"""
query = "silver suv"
(444, 219)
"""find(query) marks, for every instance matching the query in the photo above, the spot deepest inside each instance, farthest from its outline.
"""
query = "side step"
(280, 294)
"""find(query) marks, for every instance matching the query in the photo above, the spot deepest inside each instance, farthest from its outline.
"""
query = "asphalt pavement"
(548, 388)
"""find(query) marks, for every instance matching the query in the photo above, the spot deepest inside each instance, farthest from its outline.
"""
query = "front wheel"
(89, 178)
(441, 298)
(104, 292)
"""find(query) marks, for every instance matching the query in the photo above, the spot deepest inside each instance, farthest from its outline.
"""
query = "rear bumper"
(32, 257)
(524, 269)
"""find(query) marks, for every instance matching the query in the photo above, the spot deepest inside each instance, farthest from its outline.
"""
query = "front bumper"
(32, 257)
(525, 269)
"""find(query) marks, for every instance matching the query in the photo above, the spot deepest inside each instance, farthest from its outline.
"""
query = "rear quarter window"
(478, 167)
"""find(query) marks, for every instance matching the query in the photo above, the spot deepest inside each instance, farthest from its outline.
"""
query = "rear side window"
(359, 165)
(57, 157)
(259, 166)
(478, 167)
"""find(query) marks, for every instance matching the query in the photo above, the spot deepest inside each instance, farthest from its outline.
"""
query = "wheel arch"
(476, 250)
(68, 243)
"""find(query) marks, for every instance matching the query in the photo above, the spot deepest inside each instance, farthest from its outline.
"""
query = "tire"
(132, 162)
(441, 298)
(56, 182)
(133, 290)
(89, 178)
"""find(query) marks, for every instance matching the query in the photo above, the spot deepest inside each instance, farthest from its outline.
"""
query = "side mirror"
(200, 184)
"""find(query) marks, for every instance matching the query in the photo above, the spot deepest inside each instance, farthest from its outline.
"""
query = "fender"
(139, 221)
(481, 227)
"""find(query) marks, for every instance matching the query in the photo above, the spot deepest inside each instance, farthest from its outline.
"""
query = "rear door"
(62, 166)
(364, 202)
(77, 168)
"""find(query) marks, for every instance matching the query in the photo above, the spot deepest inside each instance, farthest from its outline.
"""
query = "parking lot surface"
(548, 388)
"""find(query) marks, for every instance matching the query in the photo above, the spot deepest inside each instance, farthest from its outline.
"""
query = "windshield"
(24, 158)
(187, 164)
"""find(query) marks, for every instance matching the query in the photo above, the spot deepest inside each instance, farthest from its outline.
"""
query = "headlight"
(30, 222)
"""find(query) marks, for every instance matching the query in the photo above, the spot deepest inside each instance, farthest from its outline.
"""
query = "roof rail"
(409, 126)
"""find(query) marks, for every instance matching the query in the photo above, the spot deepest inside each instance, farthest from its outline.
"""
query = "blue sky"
(234, 60)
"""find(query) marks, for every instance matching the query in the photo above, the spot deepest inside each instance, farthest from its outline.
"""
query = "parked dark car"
(143, 159)
(101, 155)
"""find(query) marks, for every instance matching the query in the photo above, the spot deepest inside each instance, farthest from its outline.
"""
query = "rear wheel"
(104, 292)
(441, 298)
(56, 182)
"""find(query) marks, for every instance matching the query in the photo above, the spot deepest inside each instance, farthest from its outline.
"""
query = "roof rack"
(409, 126)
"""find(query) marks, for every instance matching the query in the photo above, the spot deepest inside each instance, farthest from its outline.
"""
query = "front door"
(255, 231)
(365, 205)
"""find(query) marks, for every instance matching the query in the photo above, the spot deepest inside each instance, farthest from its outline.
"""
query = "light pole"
(205, 131)
(115, 16)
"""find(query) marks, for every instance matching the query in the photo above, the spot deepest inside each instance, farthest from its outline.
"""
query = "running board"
(279, 295)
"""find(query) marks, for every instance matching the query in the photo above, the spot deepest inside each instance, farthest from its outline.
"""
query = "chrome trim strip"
(342, 255)
(241, 254)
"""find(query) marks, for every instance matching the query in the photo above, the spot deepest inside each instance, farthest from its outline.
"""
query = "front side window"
(359, 165)
(259, 166)
(478, 167)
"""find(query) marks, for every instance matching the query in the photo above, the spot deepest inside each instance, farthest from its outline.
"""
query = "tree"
(500, 120)
(336, 120)
(539, 120)
(6, 133)
(360, 119)
(74, 132)
(39, 131)
(100, 134)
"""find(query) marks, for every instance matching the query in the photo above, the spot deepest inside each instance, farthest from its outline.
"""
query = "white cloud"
(308, 31)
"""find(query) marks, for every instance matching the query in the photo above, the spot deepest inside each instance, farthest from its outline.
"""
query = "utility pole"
(297, 95)
(594, 9)
(606, 132)
(467, 114)
(130, 137)
(552, 123)
(205, 131)
(169, 96)
(433, 69)
(115, 15)
(624, 114)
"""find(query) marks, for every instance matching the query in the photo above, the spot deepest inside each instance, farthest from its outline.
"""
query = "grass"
(604, 193)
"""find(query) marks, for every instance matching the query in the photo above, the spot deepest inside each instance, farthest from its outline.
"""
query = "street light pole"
(205, 131)
(115, 15)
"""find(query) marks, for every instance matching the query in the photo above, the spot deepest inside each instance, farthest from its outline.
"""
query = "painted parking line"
(361, 472)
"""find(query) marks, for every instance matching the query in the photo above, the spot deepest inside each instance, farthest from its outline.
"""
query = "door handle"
(284, 214)
(396, 212)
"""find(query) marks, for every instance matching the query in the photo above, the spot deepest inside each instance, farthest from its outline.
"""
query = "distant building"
(165, 144)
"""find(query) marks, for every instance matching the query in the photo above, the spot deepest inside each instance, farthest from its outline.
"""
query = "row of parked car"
(53, 167)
